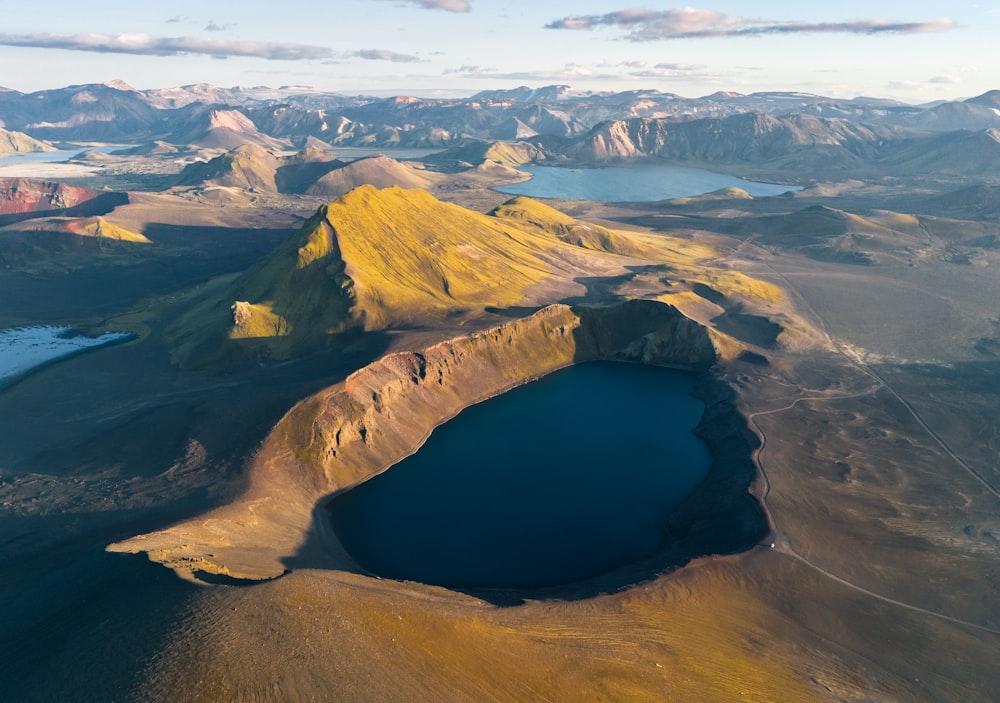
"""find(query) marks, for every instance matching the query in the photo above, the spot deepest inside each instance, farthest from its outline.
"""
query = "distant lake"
(47, 157)
(639, 183)
(25, 348)
(561, 479)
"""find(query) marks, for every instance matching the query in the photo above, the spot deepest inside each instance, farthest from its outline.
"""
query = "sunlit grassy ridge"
(254, 321)
(689, 257)
(410, 254)
(371, 258)
(104, 229)
(582, 234)
(380, 258)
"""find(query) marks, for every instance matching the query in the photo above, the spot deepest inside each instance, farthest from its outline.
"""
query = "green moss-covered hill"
(376, 259)
(371, 259)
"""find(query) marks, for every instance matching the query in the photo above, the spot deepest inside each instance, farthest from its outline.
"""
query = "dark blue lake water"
(561, 479)
(639, 183)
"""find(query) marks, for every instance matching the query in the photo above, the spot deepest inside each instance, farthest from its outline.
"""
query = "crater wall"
(384, 412)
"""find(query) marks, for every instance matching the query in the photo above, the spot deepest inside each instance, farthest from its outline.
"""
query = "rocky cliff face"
(383, 412)
(20, 143)
(27, 198)
(753, 137)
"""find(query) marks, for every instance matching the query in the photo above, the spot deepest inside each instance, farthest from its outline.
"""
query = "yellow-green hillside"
(371, 259)
(375, 259)
(582, 234)
(410, 255)
(687, 258)
(276, 309)
(103, 229)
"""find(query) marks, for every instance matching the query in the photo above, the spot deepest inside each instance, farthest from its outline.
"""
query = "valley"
(301, 318)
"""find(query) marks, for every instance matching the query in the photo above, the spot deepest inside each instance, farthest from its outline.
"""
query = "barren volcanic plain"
(302, 320)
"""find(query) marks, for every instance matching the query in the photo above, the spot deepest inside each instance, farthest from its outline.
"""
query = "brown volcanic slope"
(297, 172)
(311, 172)
(226, 129)
(21, 143)
(829, 234)
(379, 171)
(247, 166)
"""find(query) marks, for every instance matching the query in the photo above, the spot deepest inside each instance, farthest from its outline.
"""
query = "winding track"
(880, 384)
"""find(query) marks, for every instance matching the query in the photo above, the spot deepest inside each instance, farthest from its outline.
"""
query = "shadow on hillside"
(607, 289)
(99, 205)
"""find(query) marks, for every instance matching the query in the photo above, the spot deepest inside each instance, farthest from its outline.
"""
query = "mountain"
(830, 234)
(296, 173)
(224, 129)
(378, 170)
(585, 235)
(752, 137)
(974, 202)
(205, 93)
(311, 172)
(21, 143)
(524, 94)
(478, 153)
(960, 153)
(979, 113)
(248, 166)
(100, 228)
(371, 259)
(98, 112)
(772, 130)
(390, 258)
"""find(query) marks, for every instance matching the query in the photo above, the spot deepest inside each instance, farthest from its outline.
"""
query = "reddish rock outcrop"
(28, 198)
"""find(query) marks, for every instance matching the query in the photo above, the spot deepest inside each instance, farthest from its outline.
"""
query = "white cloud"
(214, 26)
(447, 5)
(149, 45)
(386, 55)
(693, 23)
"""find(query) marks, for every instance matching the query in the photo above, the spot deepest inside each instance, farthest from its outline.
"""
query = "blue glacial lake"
(25, 348)
(561, 479)
(639, 183)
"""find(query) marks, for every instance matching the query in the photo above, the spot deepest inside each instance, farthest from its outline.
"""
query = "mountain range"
(115, 111)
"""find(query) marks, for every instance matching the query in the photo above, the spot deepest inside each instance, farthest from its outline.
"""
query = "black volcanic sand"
(558, 480)
(95, 449)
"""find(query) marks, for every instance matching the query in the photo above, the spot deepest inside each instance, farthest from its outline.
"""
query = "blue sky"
(915, 51)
